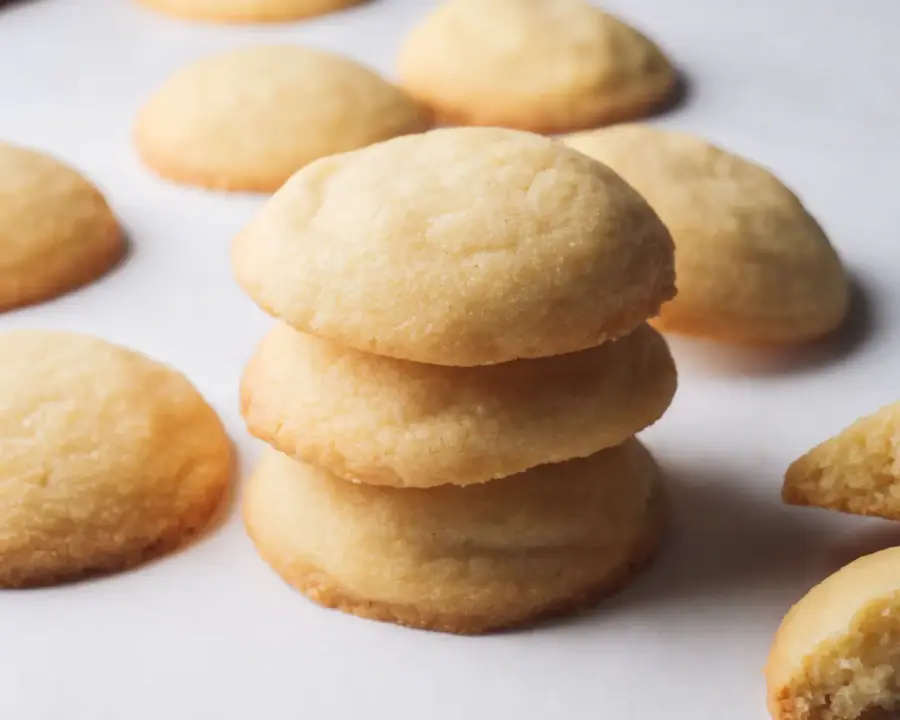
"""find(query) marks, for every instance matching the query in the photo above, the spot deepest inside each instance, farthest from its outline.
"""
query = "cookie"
(247, 119)
(551, 541)
(857, 471)
(394, 422)
(107, 458)
(56, 230)
(462, 246)
(250, 11)
(835, 656)
(541, 65)
(753, 266)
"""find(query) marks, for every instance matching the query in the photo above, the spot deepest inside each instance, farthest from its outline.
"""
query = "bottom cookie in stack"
(549, 541)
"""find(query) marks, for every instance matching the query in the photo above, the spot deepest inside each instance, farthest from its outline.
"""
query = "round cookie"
(107, 458)
(56, 230)
(542, 65)
(753, 266)
(247, 119)
(228, 11)
(857, 471)
(551, 541)
(462, 246)
(836, 655)
(393, 422)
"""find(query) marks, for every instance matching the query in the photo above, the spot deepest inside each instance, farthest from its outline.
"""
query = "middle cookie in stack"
(457, 307)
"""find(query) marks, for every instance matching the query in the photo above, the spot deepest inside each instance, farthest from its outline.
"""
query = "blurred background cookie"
(836, 655)
(107, 458)
(463, 246)
(247, 10)
(857, 471)
(465, 560)
(753, 266)
(394, 422)
(57, 231)
(247, 119)
(541, 65)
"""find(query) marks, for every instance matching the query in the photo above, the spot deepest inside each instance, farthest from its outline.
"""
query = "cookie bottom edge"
(317, 586)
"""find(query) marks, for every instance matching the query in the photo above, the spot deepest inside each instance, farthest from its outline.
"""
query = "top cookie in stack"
(466, 246)
(456, 307)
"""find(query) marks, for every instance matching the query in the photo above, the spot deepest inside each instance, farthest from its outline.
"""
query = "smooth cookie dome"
(247, 10)
(393, 422)
(541, 65)
(107, 458)
(464, 246)
(57, 231)
(247, 119)
(551, 540)
(753, 265)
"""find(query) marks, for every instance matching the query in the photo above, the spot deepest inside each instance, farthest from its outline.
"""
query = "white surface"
(809, 87)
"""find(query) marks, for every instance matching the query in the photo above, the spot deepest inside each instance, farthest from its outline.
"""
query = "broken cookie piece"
(836, 655)
(857, 471)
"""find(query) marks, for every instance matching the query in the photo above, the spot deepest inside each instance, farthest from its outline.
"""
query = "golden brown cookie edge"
(170, 8)
(318, 587)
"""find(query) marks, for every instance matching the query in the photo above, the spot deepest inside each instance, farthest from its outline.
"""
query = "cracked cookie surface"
(107, 458)
(753, 266)
(247, 119)
(541, 65)
(464, 246)
(57, 231)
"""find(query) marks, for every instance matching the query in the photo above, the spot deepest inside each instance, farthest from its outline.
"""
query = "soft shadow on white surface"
(734, 546)
(711, 358)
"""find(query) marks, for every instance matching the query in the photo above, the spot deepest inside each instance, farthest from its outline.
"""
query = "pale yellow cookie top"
(461, 246)
(56, 230)
(856, 471)
(103, 454)
(544, 65)
(394, 422)
(247, 119)
(247, 10)
(450, 547)
(831, 643)
(752, 264)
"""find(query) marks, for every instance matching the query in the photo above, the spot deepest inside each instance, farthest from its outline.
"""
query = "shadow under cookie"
(731, 539)
(856, 330)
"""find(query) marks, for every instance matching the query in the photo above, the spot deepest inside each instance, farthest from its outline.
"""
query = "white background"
(809, 87)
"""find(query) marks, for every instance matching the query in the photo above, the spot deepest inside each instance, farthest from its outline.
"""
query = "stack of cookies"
(451, 394)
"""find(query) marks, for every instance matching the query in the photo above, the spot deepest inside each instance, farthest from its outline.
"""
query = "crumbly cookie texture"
(836, 655)
(541, 65)
(463, 246)
(248, 11)
(857, 471)
(395, 422)
(247, 119)
(107, 458)
(753, 266)
(464, 560)
(56, 230)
